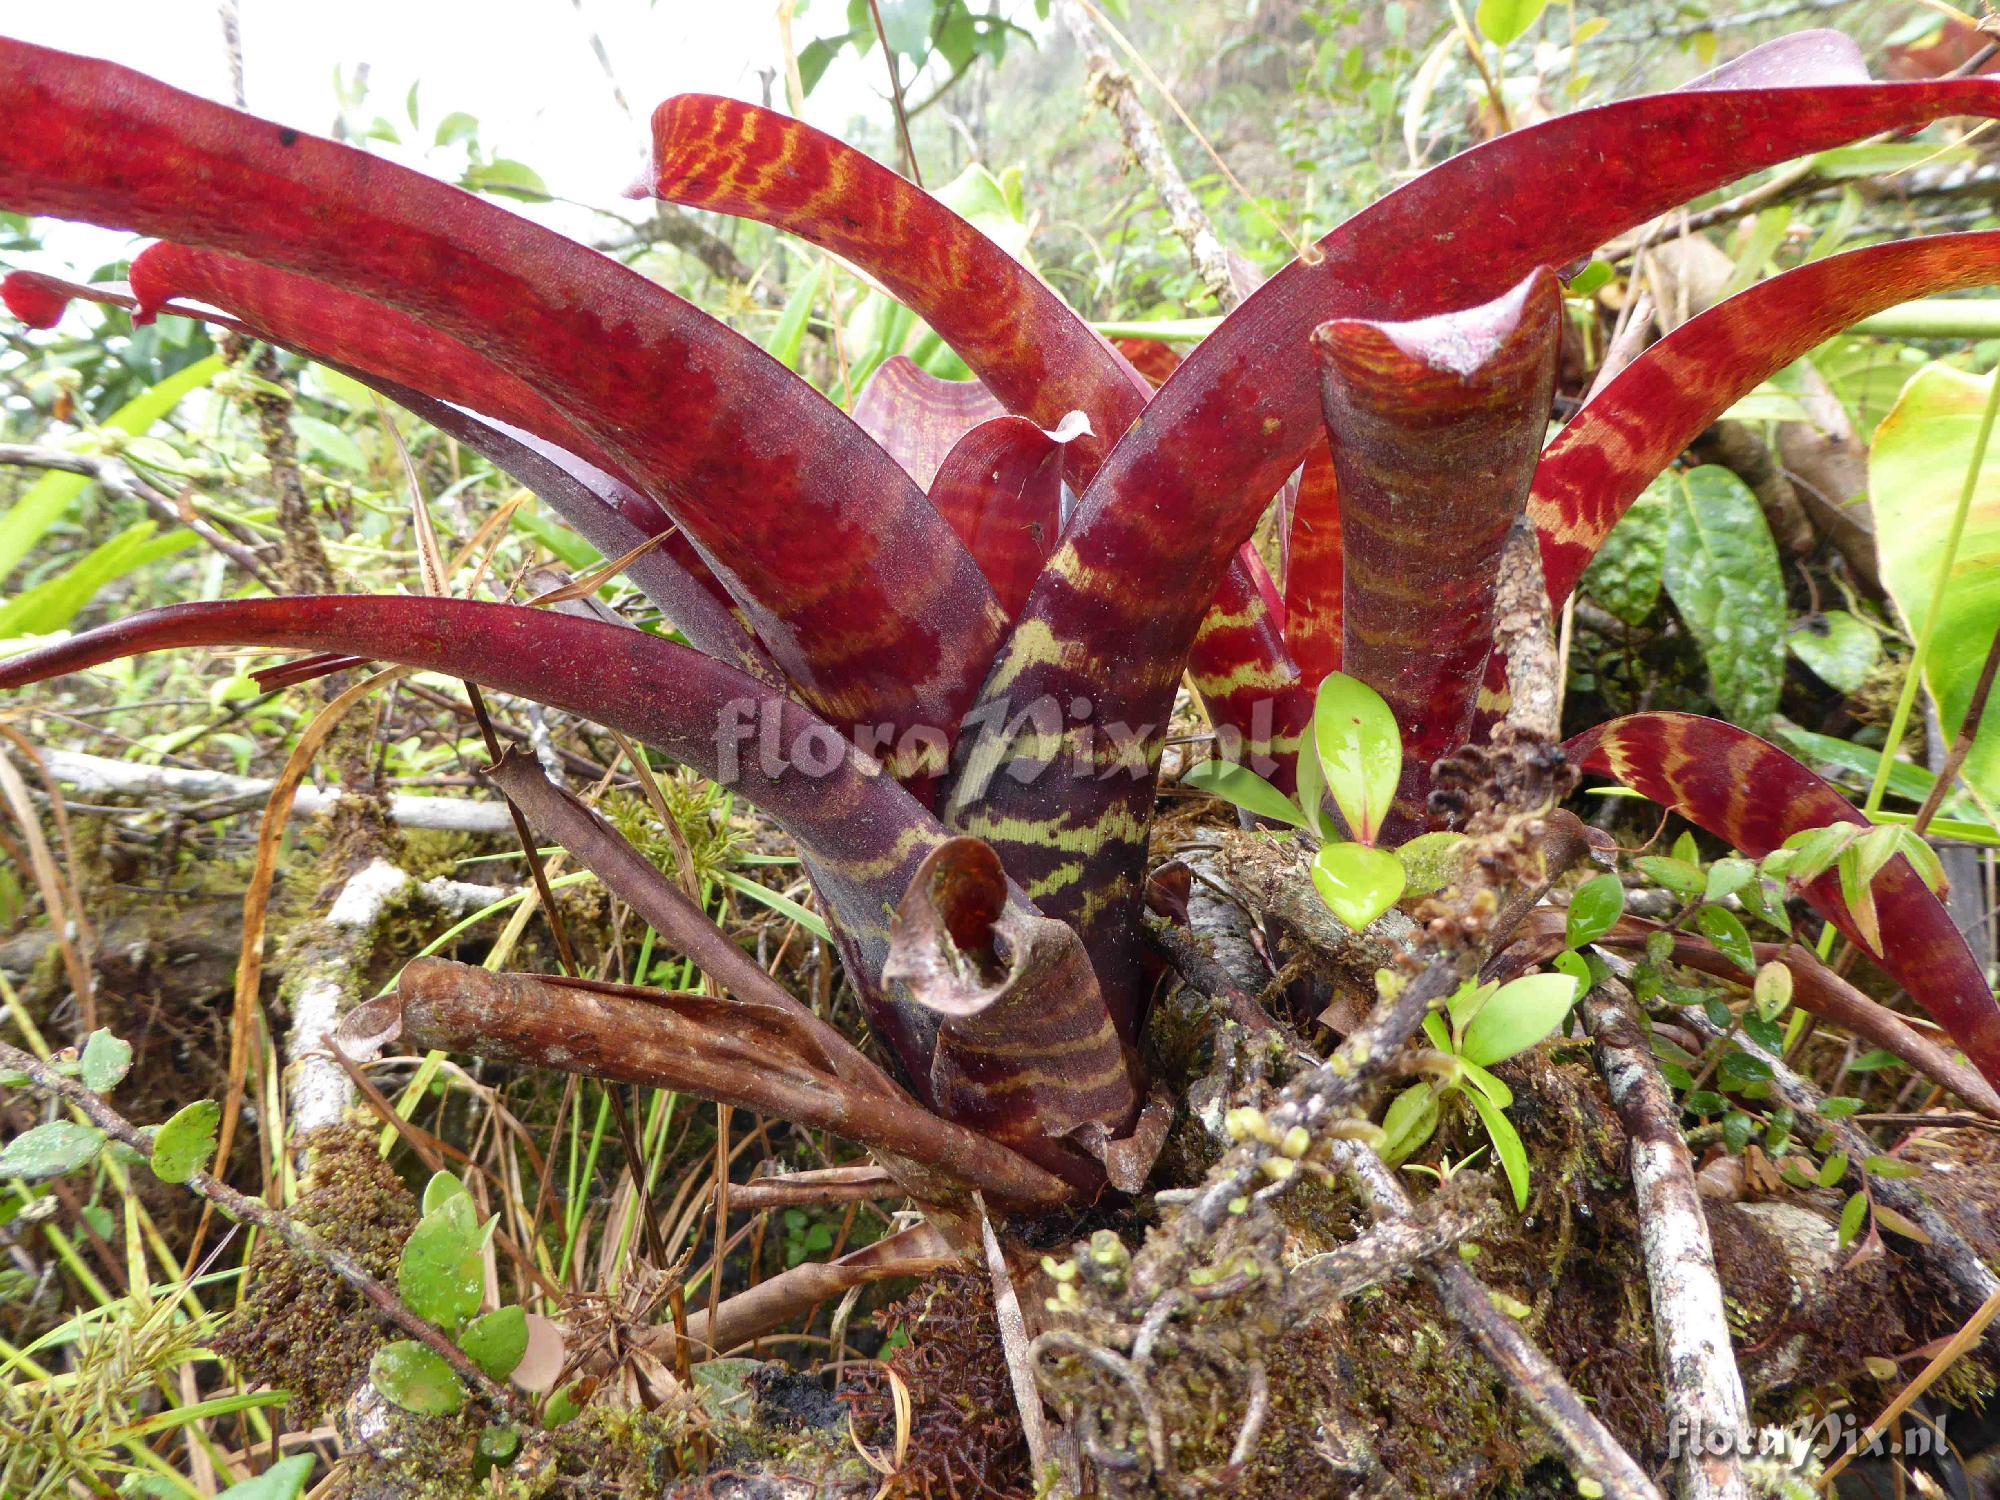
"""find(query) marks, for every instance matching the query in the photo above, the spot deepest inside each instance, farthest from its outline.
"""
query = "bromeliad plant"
(965, 681)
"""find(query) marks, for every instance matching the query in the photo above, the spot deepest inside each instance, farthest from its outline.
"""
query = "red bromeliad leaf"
(1314, 573)
(1154, 531)
(861, 593)
(1151, 358)
(864, 835)
(1241, 666)
(607, 512)
(1749, 792)
(1435, 427)
(1639, 423)
(1035, 355)
(917, 417)
(1026, 1051)
(1001, 489)
(1023, 342)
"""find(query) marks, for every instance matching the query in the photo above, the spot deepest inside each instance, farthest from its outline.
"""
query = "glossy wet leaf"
(1356, 882)
(1839, 647)
(442, 1187)
(1360, 752)
(186, 1144)
(1518, 1016)
(1725, 929)
(49, 1151)
(1594, 910)
(441, 1274)
(496, 1341)
(1916, 473)
(106, 1060)
(1722, 573)
(416, 1378)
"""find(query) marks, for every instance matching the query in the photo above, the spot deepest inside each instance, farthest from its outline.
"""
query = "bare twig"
(1112, 87)
(275, 1222)
(1593, 1451)
(1690, 1327)
(896, 93)
(115, 476)
(98, 775)
(1524, 633)
(1014, 1342)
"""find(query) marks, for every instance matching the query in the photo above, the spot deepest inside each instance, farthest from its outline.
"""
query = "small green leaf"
(1360, 752)
(49, 1151)
(1520, 1015)
(1739, 1070)
(105, 1061)
(1594, 910)
(1816, 850)
(186, 1144)
(1737, 1128)
(1833, 1169)
(1245, 789)
(1773, 990)
(565, 1404)
(1674, 874)
(1466, 1001)
(441, 1189)
(1432, 861)
(1411, 1118)
(1506, 1145)
(1706, 1102)
(1507, 21)
(1577, 967)
(1874, 1061)
(284, 1480)
(1728, 876)
(1840, 649)
(1725, 929)
(1891, 1167)
(416, 1379)
(1356, 882)
(1839, 1107)
(441, 1275)
(1852, 1217)
(498, 1444)
(497, 1341)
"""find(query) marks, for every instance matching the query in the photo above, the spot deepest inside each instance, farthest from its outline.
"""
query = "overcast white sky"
(525, 68)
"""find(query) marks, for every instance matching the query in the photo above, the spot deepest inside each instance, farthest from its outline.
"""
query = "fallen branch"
(1690, 1327)
(748, 1056)
(863, 1184)
(96, 775)
(283, 1226)
(1593, 1452)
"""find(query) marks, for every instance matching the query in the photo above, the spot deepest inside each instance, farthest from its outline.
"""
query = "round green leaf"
(1243, 787)
(1506, 21)
(49, 1151)
(1360, 751)
(1839, 648)
(1518, 1017)
(1773, 990)
(442, 1187)
(1356, 882)
(497, 1341)
(441, 1275)
(1594, 910)
(416, 1379)
(106, 1059)
(186, 1144)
